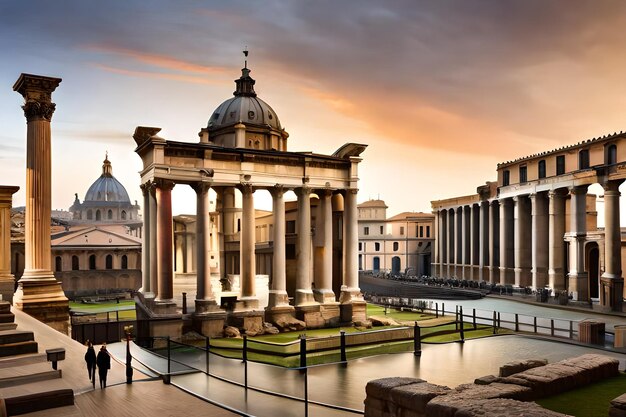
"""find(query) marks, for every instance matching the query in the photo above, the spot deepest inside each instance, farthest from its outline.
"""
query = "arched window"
(123, 215)
(583, 159)
(395, 246)
(541, 169)
(110, 215)
(98, 216)
(58, 264)
(109, 262)
(92, 262)
(89, 214)
(75, 265)
(611, 154)
(124, 262)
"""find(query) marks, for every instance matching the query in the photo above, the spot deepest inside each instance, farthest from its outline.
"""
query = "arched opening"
(124, 262)
(593, 269)
(92, 262)
(123, 215)
(98, 215)
(110, 215)
(109, 262)
(75, 264)
(395, 246)
(395, 265)
(58, 264)
(376, 264)
(89, 215)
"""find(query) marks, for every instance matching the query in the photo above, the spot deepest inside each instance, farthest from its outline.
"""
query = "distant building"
(96, 245)
(399, 244)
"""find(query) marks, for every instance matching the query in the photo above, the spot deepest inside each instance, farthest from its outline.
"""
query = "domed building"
(106, 201)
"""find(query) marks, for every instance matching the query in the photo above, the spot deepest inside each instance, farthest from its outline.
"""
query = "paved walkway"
(145, 397)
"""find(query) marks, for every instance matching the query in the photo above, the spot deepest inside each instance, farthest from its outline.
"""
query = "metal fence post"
(436, 310)
(474, 318)
(494, 323)
(499, 322)
(169, 361)
(462, 332)
(443, 309)
(571, 329)
(342, 338)
(417, 340)
(306, 373)
(456, 317)
(535, 323)
(207, 347)
(302, 351)
(516, 323)
(551, 327)
(244, 357)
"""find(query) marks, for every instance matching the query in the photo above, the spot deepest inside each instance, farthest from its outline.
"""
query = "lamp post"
(129, 369)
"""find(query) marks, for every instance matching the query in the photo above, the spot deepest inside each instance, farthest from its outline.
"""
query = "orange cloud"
(335, 101)
(162, 75)
(160, 61)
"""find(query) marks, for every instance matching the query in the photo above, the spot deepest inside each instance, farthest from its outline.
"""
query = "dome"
(245, 107)
(107, 188)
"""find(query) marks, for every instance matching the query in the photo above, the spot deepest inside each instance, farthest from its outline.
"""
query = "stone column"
(304, 293)
(494, 242)
(7, 280)
(506, 241)
(522, 252)
(443, 245)
(323, 291)
(39, 293)
(165, 244)
(350, 290)
(539, 235)
(278, 293)
(151, 249)
(436, 263)
(459, 243)
(463, 210)
(556, 231)
(247, 251)
(483, 240)
(146, 284)
(474, 241)
(451, 244)
(203, 244)
(577, 277)
(612, 282)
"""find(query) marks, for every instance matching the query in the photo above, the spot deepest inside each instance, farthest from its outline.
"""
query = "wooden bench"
(14, 406)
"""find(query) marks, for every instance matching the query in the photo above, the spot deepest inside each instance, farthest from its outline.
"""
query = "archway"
(395, 265)
(593, 269)
(376, 264)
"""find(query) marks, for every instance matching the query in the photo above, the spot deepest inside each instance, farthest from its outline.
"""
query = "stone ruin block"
(515, 367)
(455, 406)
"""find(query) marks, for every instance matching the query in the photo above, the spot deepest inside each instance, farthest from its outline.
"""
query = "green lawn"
(590, 401)
(125, 309)
(376, 310)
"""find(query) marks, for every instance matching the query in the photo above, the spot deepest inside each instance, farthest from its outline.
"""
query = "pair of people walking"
(102, 361)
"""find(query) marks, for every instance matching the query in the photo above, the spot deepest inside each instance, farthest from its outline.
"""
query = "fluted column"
(39, 293)
(474, 241)
(323, 291)
(146, 240)
(435, 264)
(7, 280)
(483, 240)
(203, 243)
(164, 238)
(304, 292)
(247, 256)
(506, 241)
(278, 293)
(463, 210)
(458, 269)
(443, 245)
(151, 249)
(522, 252)
(612, 293)
(539, 235)
(556, 231)
(577, 276)
(494, 242)
(451, 242)
(350, 289)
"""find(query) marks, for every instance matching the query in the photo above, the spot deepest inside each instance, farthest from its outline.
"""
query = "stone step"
(22, 360)
(15, 336)
(7, 326)
(7, 317)
(5, 307)
(30, 378)
(19, 348)
(37, 402)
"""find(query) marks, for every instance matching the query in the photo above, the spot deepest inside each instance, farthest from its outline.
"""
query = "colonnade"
(314, 269)
(522, 240)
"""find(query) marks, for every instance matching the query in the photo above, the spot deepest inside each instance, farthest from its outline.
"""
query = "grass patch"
(376, 310)
(590, 401)
(125, 309)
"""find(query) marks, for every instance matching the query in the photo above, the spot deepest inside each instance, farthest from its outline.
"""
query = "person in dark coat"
(90, 359)
(104, 364)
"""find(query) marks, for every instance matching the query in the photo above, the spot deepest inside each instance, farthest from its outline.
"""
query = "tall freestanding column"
(483, 240)
(522, 248)
(203, 244)
(39, 293)
(165, 243)
(436, 261)
(506, 242)
(248, 257)
(350, 288)
(494, 242)
(278, 293)
(556, 245)
(451, 245)
(539, 237)
(612, 282)
(465, 240)
(578, 232)
(7, 280)
(443, 245)
(304, 293)
(323, 291)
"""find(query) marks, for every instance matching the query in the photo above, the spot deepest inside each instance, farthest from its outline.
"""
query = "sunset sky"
(441, 91)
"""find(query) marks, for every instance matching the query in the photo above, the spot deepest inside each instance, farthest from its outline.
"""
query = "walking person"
(90, 359)
(104, 364)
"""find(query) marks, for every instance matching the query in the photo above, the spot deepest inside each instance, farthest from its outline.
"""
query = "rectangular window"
(382, 230)
(366, 231)
(395, 246)
(560, 165)
(421, 231)
(427, 231)
(360, 246)
(523, 175)
(541, 169)
(583, 159)
(506, 178)
(377, 246)
(401, 230)
(291, 226)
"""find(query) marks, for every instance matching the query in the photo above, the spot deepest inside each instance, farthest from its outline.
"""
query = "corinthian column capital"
(37, 92)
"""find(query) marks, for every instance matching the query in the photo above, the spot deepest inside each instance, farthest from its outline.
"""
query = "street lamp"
(129, 369)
